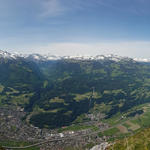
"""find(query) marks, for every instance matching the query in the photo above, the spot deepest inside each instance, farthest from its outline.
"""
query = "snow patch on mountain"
(142, 59)
(48, 57)
(5, 54)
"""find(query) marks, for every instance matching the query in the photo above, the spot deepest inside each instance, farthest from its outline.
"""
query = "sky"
(76, 27)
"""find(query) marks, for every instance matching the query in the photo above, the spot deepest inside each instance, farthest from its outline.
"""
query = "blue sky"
(74, 27)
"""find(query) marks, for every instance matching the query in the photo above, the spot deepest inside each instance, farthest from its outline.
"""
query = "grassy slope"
(138, 127)
(139, 141)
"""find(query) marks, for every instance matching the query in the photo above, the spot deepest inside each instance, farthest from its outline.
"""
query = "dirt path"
(122, 129)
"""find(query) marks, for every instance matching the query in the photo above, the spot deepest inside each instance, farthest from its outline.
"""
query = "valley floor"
(85, 135)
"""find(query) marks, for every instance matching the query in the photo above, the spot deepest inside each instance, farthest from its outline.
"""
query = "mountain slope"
(139, 141)
(18, 71)
(119, 85)
(57, 92)
(19, 80)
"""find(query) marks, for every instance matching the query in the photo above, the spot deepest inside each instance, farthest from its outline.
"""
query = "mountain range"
(58, 91)
(48, 57)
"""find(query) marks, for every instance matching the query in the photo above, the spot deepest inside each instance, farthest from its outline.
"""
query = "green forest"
(56, 93)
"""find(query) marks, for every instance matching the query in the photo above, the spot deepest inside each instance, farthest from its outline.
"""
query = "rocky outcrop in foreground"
(102, 146)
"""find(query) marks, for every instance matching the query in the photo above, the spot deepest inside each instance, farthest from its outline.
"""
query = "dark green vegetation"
(118, 86)
(19, 74)
(57, 93)
(19, 79)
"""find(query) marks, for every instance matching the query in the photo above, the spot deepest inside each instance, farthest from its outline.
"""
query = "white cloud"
(138, 49)
(52, 8)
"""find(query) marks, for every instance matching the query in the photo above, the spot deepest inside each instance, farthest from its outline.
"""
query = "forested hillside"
(75, 87)
(56, 93)
(19, 80)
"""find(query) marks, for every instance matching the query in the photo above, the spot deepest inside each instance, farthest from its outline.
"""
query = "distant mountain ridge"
(48, 57)
(5, 54)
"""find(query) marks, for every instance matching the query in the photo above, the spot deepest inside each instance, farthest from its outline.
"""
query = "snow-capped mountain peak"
(49, 57)
(142, 59)
(5, 54)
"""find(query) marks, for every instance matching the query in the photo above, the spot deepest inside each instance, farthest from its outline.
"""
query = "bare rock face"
(102, 146)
